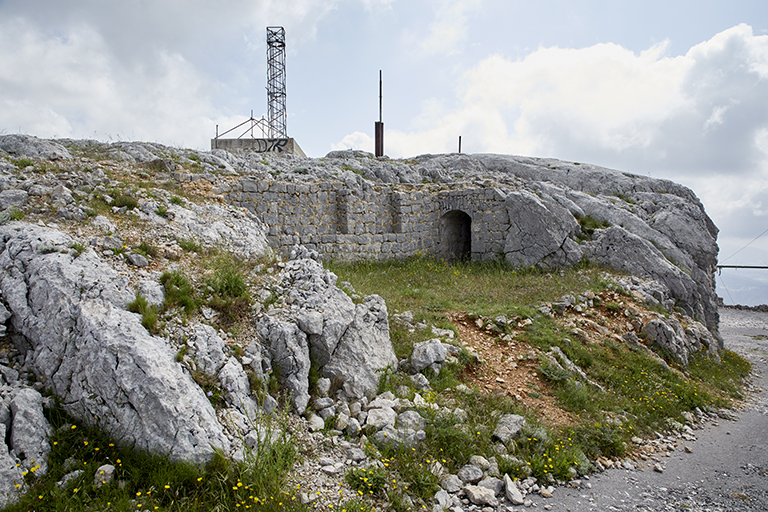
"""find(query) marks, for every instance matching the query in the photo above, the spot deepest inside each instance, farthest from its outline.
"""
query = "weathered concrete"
(287, 146)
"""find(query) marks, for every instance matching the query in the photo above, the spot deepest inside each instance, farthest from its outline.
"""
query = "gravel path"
(727, 469)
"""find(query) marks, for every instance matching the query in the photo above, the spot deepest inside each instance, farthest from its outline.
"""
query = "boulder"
(427, 353)
(29, 430)
(364, 350)
(290, 353)
(509, 427)
(95, 355)
(13, 198)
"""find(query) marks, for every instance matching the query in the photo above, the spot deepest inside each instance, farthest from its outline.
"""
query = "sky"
(674, 89)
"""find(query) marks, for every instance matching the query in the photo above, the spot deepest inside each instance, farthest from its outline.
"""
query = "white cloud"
(356, 140)
(692, 114)
(449, 28)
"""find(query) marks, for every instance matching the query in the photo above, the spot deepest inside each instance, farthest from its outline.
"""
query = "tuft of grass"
(23, 162)
(162, 210)
(178, 292)
(146, 249)
(149, 314)
(589, 224)
(189, 245)
(227, 287)
(125, 200)
(177, 200)
(77, 249)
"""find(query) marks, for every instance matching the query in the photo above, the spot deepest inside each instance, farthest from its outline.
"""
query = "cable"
(750, 243)
(726, 289)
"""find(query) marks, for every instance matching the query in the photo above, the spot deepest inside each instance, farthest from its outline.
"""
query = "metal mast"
(276, 83)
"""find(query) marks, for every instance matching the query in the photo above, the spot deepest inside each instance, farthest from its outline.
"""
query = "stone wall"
(378, 221)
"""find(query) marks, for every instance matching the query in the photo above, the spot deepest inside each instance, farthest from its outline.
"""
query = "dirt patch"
(508, 368)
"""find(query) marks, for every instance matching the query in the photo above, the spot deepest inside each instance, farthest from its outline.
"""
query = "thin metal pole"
(459, 144)
(743, 266)
(380, 98)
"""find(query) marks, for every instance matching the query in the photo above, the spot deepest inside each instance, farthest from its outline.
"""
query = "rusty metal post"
(379, 126)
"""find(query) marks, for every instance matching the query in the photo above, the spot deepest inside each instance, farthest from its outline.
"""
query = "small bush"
(162, 210)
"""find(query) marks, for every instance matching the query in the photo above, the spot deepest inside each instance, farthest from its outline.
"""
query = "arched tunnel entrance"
(456, 236)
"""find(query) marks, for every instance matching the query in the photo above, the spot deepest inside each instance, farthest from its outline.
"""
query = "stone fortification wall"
(378, 221)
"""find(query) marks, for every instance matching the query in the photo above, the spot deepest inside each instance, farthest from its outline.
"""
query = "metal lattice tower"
(276, 82)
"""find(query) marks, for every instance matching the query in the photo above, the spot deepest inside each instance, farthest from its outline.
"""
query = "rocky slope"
(87, 227)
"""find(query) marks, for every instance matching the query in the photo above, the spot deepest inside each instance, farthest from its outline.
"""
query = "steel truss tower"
(276, 83)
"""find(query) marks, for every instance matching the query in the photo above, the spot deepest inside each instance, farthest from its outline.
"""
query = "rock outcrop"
(93, 354)
(317, 322)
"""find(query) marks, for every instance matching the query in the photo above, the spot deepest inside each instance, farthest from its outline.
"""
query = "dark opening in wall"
(456, 236)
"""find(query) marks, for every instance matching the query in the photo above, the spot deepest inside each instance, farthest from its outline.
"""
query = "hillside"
(149, 301)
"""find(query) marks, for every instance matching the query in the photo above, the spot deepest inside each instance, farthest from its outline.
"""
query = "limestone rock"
(29, 430)
(290, 352)
(364, 350)
(509, 427)
(512, 492)
(209, 349)
(94, 354)
(427, 353)
(10, 473)
(104, 475)
(13, 199)
(469, 473)
(481, 495)
(32, 147)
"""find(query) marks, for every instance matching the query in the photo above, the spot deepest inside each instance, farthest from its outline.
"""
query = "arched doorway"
(456, 236)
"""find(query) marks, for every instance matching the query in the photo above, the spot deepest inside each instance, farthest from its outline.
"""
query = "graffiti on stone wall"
(270, 145)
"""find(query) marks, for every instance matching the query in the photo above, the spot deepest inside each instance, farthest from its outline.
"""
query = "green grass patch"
(145, 481)
(149, 314)
(226, 287)
(125, 200)
(430, 287)
(178, 292)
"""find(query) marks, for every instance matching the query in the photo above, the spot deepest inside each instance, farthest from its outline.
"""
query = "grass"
(178, 292)
(227, 287)
(430, 287)
(145, 481)
(125, 200)
(148, 313)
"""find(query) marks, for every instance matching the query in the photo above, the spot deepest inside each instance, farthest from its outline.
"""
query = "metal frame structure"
(275, 126)
(276, 112)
